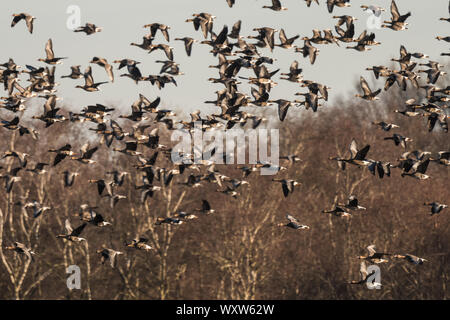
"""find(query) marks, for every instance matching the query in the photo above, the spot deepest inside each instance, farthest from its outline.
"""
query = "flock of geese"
(234, 53)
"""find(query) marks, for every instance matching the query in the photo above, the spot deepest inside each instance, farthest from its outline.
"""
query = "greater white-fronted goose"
(75, 73)
(397, 22)
(154, 27)
(89, 84)
(72, 234)
(109, 254)
(206, 208)
(443, 158)
(188, 42)
(50, 59)
(357, 157)
(286, 42)
(62, 153)
(89, 29)
(353, 204)
(22, 249)
(38, 208)
(287, 185)
(337, 3)
(410, 258)
(140, 244)
(276, 6)
(436, 207)
(399, 139)
(373, 256)
(368, 94)
(385, 126)
(338, 211)
(29, 19)
(293, 223)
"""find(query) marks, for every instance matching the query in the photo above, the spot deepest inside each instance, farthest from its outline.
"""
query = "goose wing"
(394, 11)
(353, 148)
(365, 86)
(29, 21)
(371, 249)
(76, 232)
(49, 49)
(361, 154)
(68, 226)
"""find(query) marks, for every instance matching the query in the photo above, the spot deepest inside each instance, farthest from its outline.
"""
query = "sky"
(123, 23)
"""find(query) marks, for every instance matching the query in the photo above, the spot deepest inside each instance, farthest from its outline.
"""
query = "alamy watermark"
(74, 19)
(374, 279)
(227, 146)
(74, 280)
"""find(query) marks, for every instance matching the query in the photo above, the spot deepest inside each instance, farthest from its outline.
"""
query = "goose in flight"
(295, 73)
(38, 209)
(154, 27)
(62, 153)
(22, 249)
(50, 59)
(206, 208)
(29, 19)
(380, 71)
(283, 107)
(188, 42)
(308, 50)
(399, 139)
(337, 3)
(292, 158)
(410, 258)
(442, 158)
(397, 22)
(368, 94)
(109, 254)
(75, 73)
(353, 204)
(436, 207)
(72, 234)
(287, 185)
(276, 6)
(418, 170)
(89, 84)
(373, 256)
(86, 153)
(446, 39)
(89, 29)
(338, 211)
(140, 244)
(357, 157)
(293, 223)
(385, 126)
(286, 42)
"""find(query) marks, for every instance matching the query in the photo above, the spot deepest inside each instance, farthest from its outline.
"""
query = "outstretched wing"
(394, 11)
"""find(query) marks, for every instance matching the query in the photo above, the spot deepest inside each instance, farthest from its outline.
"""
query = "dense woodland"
(170, 231)
(238, 252)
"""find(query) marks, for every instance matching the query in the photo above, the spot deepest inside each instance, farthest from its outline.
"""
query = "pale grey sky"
(123, 21)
